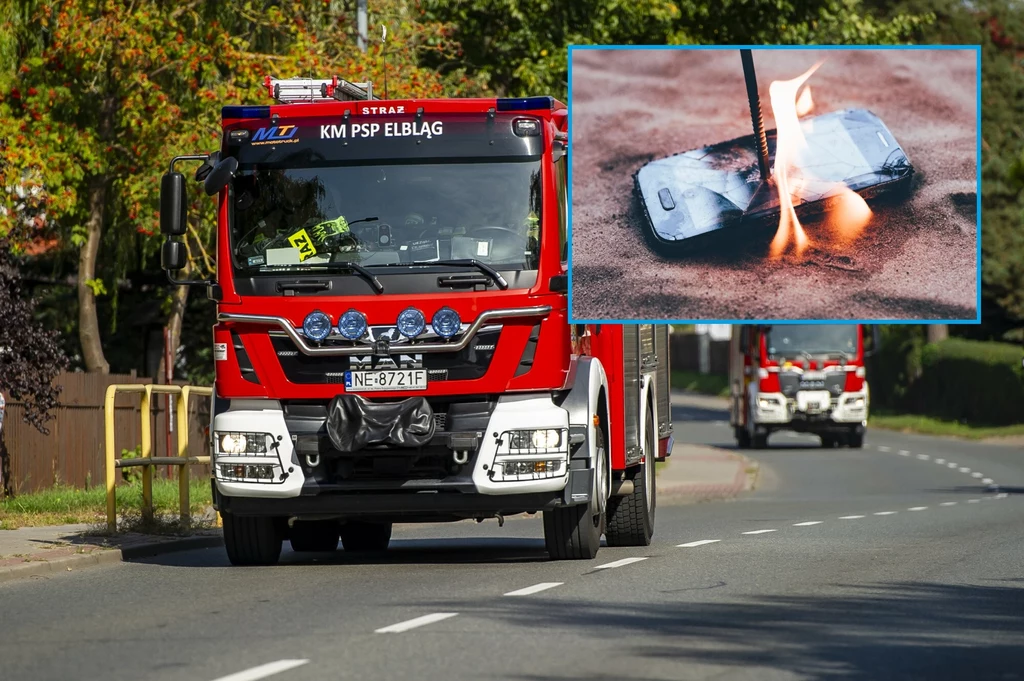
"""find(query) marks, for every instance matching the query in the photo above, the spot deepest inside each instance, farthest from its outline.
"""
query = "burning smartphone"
(695, 199)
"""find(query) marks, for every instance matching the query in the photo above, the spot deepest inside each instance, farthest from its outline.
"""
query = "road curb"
(744, 480)
(105, 556)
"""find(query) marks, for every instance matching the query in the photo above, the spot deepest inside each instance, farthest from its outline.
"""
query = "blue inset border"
(977, 52)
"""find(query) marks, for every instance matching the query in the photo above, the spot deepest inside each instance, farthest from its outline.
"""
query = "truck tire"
(362, 536)
(316, 536)
(759, 441)
(742, 438)
(251, 541)
(856, 440)
(574, 532)
(630, 520)
(829, 441)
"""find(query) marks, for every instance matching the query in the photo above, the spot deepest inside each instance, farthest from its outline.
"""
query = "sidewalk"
(702, 473)
(33, 551)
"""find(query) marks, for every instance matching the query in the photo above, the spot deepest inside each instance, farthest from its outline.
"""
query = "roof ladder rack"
(294, 90)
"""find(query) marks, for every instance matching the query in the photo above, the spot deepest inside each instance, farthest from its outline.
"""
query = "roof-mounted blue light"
(245, 112)
(525, 103)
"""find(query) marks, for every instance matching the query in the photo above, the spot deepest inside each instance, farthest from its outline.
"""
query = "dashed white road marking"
(965, 469)
(976, 474)
(923, 457)
(699, 542)
(886, 513)
(948, 503)
(952, 465)
(987, 481)
(536, 588)
(759, 531)
(263, 671)
(904, 452)
(416, 622)
(940, 461)
(719, 423)
(1002, 495)
(918, 508)
(974, 501)
(620, 563)
(883, 448)
(850, 517)
(807, 524)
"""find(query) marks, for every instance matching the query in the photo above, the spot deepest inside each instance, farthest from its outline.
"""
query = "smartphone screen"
(698, 193)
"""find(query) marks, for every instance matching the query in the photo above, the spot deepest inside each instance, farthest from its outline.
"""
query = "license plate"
(412, 379)
(813, 406)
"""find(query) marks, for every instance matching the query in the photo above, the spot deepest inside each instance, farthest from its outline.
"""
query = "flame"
(849, 213)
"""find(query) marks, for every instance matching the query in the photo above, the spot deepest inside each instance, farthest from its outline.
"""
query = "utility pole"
(361, 24)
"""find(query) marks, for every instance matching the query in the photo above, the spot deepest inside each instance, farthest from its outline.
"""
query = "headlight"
(316, 326)
(535, 439)
(239, 444)
(411, 322)
(446, 322)
(352, 325)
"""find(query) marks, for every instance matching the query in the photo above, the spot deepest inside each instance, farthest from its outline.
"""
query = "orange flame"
(849, 213)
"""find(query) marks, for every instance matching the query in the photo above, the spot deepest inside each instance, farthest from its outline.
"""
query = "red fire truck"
(393, 341)
(807, 378)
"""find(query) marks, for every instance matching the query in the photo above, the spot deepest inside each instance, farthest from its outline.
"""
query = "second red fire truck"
(807, 378)
(393, 340)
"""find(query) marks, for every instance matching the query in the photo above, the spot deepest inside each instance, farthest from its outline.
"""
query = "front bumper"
(810, 412)
(481, 486)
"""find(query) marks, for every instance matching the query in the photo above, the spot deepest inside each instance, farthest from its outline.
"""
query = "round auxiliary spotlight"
(446, 322)
(411, 322)
(316, 326)
(352, 325)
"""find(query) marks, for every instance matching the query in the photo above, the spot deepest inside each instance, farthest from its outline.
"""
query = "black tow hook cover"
(354, 422)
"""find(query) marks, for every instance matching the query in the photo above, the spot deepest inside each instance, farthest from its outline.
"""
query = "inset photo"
(775, 184)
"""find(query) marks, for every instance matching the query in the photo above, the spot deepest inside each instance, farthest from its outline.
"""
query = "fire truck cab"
(807, 378)
(393, 340)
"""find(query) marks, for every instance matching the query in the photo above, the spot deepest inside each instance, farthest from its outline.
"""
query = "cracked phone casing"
(706, 196)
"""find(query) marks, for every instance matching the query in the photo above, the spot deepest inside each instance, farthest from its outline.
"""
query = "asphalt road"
(900, 561)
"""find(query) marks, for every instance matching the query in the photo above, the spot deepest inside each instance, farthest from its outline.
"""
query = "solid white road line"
(883, 448)
(886, 513)
(620, 563)
(263, 671)
(699, 542)
(850, 517)
(759, 531)
(948, 503)
(918, 508)
(807, 524)
(417, 622)
(543, 586)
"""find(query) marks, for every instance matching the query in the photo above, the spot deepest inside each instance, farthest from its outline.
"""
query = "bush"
(977, 382)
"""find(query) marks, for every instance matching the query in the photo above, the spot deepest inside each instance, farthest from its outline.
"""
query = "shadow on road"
(913, 630)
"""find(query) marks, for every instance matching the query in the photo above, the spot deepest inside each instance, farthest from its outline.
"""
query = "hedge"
(976, 382)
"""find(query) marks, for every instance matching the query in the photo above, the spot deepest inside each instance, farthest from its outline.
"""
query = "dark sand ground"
(915, 259)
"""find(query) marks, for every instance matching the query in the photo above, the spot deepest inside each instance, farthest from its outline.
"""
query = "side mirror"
(220, 175)
(558, 150)
(559, 283)
(173, 255)
(208, 165)
(172, 204)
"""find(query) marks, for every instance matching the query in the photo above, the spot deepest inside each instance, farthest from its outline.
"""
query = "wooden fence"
(685, 353)
(72, 453)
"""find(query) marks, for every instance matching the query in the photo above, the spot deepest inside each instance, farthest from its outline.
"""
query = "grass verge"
(927, 425)
(65, 505)
(705, 384)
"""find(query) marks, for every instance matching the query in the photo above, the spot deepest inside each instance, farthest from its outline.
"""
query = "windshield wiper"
(343, 265)
(483, 267)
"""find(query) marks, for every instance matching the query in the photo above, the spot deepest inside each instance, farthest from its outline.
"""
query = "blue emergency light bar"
(245, 112)
(525, 103)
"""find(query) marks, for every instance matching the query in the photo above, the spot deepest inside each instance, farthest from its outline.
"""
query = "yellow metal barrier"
(147, 460)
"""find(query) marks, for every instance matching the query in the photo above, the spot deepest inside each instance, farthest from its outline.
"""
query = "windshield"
(796, 340)
(295, 219)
